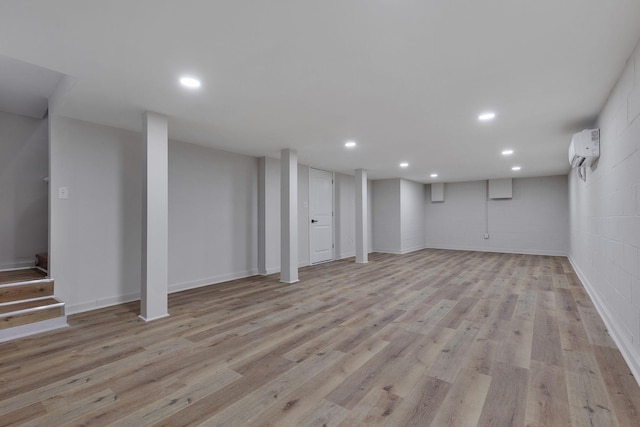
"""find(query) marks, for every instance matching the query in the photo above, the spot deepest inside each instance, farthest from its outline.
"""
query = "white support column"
(288, 216)
(362, 238)
(155, 222)
(262, 216)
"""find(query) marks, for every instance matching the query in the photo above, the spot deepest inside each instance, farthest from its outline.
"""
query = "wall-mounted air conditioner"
(585, 146)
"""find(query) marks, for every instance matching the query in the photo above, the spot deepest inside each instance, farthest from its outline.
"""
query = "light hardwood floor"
(433, 338)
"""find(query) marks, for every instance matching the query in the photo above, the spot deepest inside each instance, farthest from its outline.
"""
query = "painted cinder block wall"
(604, 219)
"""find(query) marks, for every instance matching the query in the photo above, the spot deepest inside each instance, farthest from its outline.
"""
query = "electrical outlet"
(486, 235)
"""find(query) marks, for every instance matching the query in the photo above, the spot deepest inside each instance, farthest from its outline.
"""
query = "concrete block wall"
(604, 216)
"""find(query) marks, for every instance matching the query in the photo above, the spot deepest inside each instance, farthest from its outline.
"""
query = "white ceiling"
(404, 78)
(25, 88)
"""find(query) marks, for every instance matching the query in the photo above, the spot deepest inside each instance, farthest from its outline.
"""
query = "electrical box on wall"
(437, 192)
(501, 188)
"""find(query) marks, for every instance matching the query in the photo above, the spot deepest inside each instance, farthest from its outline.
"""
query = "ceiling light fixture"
(350, 144)
(404, 165)
(486, 116)
(507, 152)
(434, 175)
(190, 82)
(515, 168)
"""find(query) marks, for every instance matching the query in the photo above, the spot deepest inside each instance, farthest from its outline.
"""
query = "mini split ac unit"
(584, 148)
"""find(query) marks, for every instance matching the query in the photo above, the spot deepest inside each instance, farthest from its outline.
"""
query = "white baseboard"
(396, 252)
(177, 287)
(100, 303)
(17, 265)
(346, 255)
(625, 347)
(496, 250)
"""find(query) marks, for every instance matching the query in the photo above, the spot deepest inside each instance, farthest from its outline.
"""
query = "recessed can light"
(190, 82)
(507, 152)
(486, 116)
(434, 175)
(404, 165)
(350, 144)
(515, 168)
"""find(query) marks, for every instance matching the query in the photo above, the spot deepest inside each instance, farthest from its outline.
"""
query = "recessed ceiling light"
(350, 144)
(507, 152)
(434, 175)
(515, 168)
(486, 116)
(190, 82)
(404, 165)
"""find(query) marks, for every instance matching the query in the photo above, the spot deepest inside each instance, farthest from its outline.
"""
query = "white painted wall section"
(24, 216)
(604, 218)
(386, 216)
(412, 211)
(212, 216)
(96, 232)
(533, 221)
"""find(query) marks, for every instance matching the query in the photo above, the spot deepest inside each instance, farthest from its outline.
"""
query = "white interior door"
(321, 215)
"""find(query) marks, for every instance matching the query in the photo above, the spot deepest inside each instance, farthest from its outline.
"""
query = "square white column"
(362, 238)
(288, 216)
(155, 219)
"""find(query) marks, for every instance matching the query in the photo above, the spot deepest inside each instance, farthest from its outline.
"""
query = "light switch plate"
(63, 192)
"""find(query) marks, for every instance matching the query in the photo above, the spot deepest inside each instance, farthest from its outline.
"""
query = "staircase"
(27, 304)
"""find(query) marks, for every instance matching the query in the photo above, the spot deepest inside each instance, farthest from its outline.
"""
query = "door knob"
(313, 221)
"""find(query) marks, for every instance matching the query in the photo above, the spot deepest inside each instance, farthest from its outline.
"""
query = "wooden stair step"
(26, 290)
(21, 275)
(29, 311)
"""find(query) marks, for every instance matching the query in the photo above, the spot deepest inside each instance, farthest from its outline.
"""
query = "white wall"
(345, 216)
(459, 221)
(95, 233)
(534, 221)
(212, 216)
(412, 212)
(386, 216)
(605, 216)
(24, 163)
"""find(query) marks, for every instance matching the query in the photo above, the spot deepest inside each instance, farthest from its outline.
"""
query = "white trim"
(31, 310)
(152, 318)
(395, 252)
(25, 283)
(4, 304)
(496, 250)
(26, 266)
(625, 347)
(177, 287)
(33, 328)
(346, 255)
(101, 303)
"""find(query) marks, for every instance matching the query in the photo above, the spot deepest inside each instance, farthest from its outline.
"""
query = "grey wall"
(345, 216)
(95, 233)
(534, 221)
(24, 163)
(398, 215)
(605, 216)
(386, 216)
(212, 216)
(412, 212)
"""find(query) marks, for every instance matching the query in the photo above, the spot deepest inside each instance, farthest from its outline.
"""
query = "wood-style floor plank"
(432, 338)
